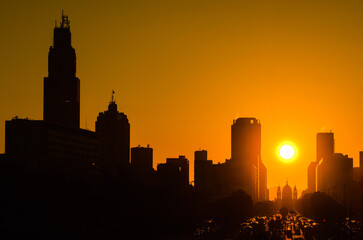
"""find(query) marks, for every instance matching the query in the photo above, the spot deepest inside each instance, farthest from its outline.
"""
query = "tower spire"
(112, 97)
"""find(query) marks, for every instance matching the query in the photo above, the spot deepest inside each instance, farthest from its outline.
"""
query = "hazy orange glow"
(183, 70)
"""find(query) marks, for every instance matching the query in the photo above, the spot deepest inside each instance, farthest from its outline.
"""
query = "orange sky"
(183, 70)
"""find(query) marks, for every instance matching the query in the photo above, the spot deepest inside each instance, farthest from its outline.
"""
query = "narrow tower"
(61, 87)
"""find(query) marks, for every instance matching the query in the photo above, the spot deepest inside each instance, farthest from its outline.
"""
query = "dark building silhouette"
(203, 172)
(201, 155)
(246, 155)
(113, 132)
(324, 145)
(42, 147)
(336, 173)
(278, 199)
(142, 160)
(324, 149)
(312, 177)
(245, 171)
(62, 87)
(174, 174)
(183, 165)
(263, 191)
(287, 196)
(294, 194)
(278, 193)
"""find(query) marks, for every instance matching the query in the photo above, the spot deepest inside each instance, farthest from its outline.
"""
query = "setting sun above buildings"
(287, 152)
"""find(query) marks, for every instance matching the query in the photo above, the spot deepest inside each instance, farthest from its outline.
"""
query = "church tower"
(62, 87)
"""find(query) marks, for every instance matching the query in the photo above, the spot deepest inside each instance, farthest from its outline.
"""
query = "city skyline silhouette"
(64, 179)
(202, 109)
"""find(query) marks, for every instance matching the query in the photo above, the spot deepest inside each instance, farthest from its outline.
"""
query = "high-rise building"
(324, 150)
(113, 131)
(312, 177)
(324, 145)
(246, 154)
(336, 176)
(263, 196)
(62, 87)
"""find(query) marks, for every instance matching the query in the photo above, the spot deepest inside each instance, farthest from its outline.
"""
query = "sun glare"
(286, 152)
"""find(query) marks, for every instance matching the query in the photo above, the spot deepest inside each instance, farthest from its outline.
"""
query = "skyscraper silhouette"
(246, 155)
(312, 177)
(324, 150)
(62, 87)
(324, 145)
(113, 132)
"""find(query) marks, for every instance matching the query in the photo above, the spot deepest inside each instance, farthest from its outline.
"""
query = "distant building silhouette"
(324, 145)
(62, 87)
(294, 194)
(142, 160)
(263, 191)
(174, 174)
(278, 193)
(245, 171)
(203, 172)
(312, 177)
(287, 196)
(278, 199)
(113, 132)
(336, 175)
(324, 149)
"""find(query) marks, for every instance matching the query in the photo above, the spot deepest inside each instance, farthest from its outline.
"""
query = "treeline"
(321, 207)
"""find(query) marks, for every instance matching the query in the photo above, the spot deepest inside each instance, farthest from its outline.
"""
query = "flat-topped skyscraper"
(62, 87)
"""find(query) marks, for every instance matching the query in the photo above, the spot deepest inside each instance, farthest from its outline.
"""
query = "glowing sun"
(286, 152)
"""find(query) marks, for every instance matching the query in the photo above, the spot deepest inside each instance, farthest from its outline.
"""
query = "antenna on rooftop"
(65, 22)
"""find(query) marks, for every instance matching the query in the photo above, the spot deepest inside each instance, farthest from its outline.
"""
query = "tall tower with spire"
(62, 87)
(113, 131)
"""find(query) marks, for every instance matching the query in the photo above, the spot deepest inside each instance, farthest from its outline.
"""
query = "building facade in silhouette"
(324, 145)
(62, 87)
(324, 150)
(262, 182)
(312, 177)
(336, 176)
(113, 132)
(174, 174)
(287, 196)
(47, 148)
(55, 146)
(246, 156)
(203, 172)
(142, 161)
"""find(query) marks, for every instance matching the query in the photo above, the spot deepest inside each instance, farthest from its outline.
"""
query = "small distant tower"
(113, 131)
(278, 193)
(294, 195)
